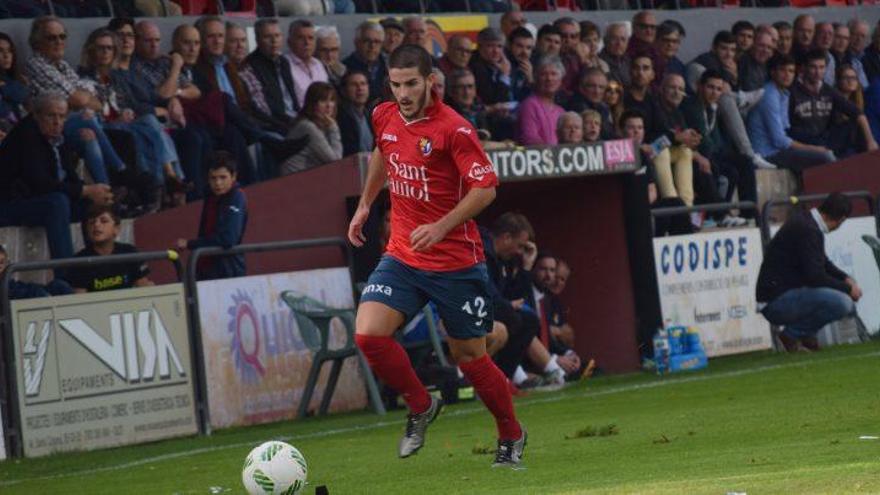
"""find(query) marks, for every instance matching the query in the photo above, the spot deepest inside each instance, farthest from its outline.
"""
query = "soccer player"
(439, 179)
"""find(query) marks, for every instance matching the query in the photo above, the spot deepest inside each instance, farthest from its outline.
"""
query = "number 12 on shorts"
(478, 309)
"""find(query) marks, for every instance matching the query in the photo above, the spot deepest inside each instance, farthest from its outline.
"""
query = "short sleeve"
(472, 162)
(380, 117)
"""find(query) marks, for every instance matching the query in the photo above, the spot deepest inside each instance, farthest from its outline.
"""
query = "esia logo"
(479, 171)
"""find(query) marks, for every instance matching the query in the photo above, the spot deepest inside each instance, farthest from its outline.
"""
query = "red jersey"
(431, 164)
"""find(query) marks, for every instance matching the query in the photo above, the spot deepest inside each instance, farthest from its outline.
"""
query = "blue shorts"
(462, 297)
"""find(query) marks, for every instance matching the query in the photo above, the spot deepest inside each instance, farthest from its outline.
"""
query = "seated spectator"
(327, 48)
(548, 42)
(786, 37)
(590, 96)
(101, 231)
(415, 32)
(539, 112)
(769, 122)
(368, 57)
(640, 94)
(591, 37)
(715, 157)
(492, 72)
(799, 288)
(24, 290)
(157, 8)
(266, 73)
(560, 329)
(871, 57)
(354, 119)
(842, 55)
(511, 21)
(744, 32)
(824, 40)
(675, 171)
(304, 67)
(644, 33)
(570, 128)
(820, 116)
(317, 121)
(299, 8)
(463, 99)
(39, 186)
(236, 44)
(592, 124)
(439, 86)
(858, 40)
(394, 32)
(614, 99)
(459, 49)
(520, 45)
(47, 71)
(752, 65)
(573, 53)
(615, 52)
(155, 154)
(669, 37)
(13, 91)
(223, 221)
(721, 58)
(769, 29)
(803, 34)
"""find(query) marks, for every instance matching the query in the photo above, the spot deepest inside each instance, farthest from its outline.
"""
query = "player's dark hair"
(723, 37)
(512, 223)
(96, 211)
(223, 159)
(411, 56)
(836, 206)
(779, 60)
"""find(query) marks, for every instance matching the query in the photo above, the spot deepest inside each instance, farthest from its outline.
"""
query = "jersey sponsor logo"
(478, 171)
(409, 181)
(464, 130)
(378, 288)
(425, 146)
(389, 137)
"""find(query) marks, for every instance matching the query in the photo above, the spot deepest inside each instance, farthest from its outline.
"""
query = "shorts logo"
(478, 171)
(425, 146)
(389, 137)
(382, 289)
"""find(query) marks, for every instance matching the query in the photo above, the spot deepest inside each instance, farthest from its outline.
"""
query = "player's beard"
(420, 105)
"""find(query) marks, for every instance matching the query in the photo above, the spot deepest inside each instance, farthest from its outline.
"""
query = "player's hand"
(855, 292)
(425, 236)
(355, 229)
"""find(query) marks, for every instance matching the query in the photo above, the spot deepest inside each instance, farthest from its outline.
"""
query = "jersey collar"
(430, 112)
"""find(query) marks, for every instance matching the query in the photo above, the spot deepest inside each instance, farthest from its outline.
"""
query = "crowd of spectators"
(145, 123)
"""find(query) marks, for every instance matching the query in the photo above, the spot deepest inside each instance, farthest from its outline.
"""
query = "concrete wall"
(701, 24)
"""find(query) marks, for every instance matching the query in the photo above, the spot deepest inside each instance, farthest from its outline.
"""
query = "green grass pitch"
(761, 423)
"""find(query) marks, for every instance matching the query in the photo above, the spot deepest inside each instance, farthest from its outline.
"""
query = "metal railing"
(8, 380)
(678, 210)
(808, 198)
(192, 297)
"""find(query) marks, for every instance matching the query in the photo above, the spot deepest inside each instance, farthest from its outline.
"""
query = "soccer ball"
(274, 467)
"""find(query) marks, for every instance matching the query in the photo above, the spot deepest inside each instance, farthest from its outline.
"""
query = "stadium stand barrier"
(846, 249)
(44, 386)
(707, 280)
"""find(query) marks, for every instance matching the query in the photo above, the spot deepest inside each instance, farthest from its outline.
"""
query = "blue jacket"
(223, 222)
(768, 122)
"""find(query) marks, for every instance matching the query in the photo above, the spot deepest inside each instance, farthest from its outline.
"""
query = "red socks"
(491, 385)
(390, 363)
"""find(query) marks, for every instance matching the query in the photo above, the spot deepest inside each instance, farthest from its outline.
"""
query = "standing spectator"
(591, 95)
(798, 286)
(786, 37)
(669, 37)
(842, 55)
(570, 128)
(223, 221)
(769, 122)
(317, 121)
(463, 99)
(592, 123)
(520, 45)
(368, 56)
(752, 65)
(354, 120)
(614, 52)
(744, 32)
(236, 43)
(802, 35)
(824, 40)
(47, 71)
(459, 49)
(101, 231)
(816, 112)
(539, 112)
(511, 21)
(393, 31)
(328, 47)
(39, 186)
(13, 92)
(304, 67)
(644, 33)
(268, 79)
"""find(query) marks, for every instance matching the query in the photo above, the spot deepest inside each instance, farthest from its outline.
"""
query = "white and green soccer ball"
(274, 467)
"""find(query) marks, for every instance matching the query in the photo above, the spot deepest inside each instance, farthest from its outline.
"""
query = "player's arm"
(372, 186)
(477, 199)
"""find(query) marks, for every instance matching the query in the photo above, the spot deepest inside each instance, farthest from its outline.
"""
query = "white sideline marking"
(459, 412)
